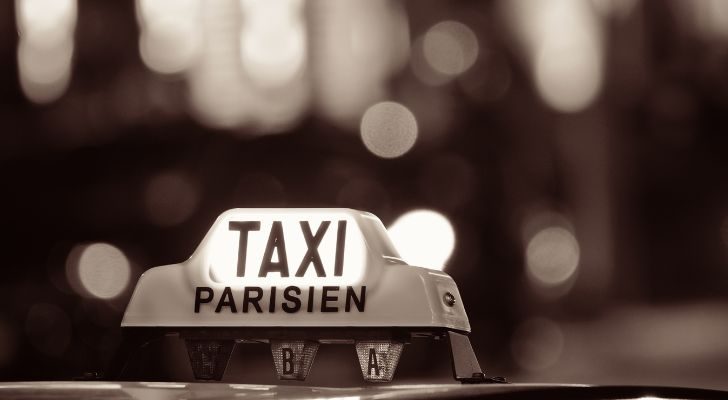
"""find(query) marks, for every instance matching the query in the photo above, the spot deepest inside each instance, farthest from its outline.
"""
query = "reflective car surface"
(173, 390)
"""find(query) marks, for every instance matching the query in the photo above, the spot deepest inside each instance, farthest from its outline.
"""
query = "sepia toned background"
(564, 160)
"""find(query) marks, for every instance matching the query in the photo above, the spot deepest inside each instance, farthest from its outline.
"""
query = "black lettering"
(373, 363)
(272, 302)
(226, 300)
(255, 301)
(294, 299)
(358, 301)
(287, 360)
(325, 298)
(312, 255)
(276, 242)
(340, 242)
(244, 227)
(309, 307)
(199, 299)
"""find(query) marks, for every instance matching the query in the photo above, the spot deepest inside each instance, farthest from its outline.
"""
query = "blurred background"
(564, 160)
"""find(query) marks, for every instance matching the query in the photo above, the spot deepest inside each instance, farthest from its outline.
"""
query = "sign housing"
(297, 278)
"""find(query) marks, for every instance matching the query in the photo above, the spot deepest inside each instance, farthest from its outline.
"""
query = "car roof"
(202, 390)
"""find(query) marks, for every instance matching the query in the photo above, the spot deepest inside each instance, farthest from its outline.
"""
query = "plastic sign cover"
(275, 250)
(294, 267)
(287, 260)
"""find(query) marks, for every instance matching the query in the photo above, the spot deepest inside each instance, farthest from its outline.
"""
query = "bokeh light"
(388, 129)
(48, 328)
(568, 72)
(45, 48)
(45, 23)
(170, 198)
(568, 58)
(708, 18)
(272, 40)
(45, 67)
(564, 43)
(98, 270)
(621, 9)
(552, 256)
(220, 95)
(170, 36)
(537, 344)
(422, 69)
(251, 74)
(450, 47)
(44, 72)
(358, 45)
(424, 238)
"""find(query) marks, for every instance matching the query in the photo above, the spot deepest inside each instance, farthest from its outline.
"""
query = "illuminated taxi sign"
(275, 257)
(298, 278)
(283, 261)
(269, 249)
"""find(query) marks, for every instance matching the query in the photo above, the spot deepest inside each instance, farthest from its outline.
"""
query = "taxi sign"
(296, 278)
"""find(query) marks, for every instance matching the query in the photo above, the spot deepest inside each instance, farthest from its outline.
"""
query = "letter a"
(373, 364)
(275, 242)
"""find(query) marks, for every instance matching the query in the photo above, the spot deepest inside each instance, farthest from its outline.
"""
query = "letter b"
(287, 360)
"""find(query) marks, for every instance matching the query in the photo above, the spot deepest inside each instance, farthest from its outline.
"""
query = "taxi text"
(276, 248)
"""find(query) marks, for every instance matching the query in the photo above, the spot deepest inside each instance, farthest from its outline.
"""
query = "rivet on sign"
(449, 299)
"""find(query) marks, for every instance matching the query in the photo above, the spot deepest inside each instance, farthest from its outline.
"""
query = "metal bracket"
(465, 366)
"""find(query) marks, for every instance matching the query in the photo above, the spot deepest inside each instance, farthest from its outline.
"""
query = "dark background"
(636, 173)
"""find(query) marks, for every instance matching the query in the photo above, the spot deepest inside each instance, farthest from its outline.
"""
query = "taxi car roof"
(179, 390)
